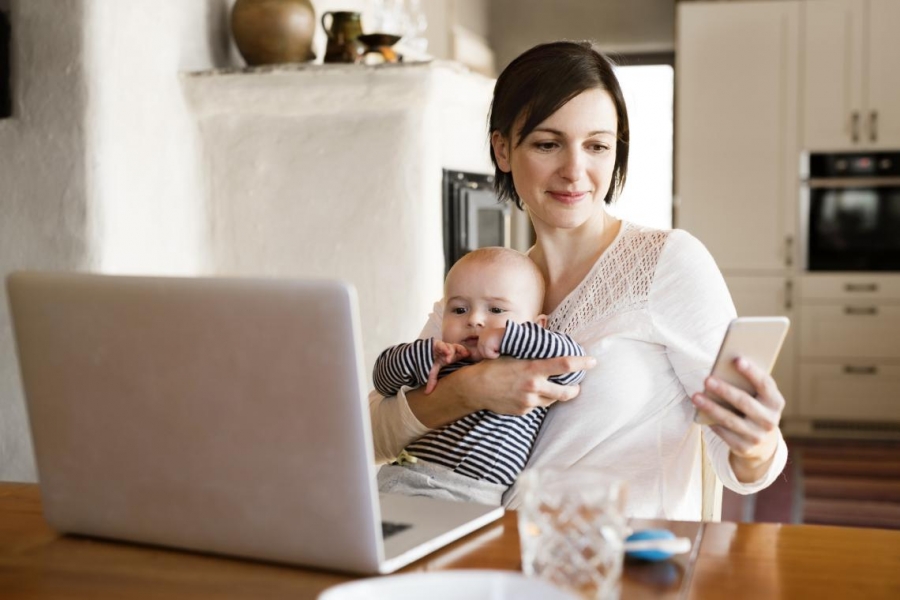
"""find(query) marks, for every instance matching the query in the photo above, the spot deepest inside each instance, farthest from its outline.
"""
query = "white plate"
(448, 585)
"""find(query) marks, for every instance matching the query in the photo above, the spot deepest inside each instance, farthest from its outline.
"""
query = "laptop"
(217, 415)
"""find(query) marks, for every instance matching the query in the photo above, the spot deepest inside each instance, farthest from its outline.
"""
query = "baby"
(492, 306)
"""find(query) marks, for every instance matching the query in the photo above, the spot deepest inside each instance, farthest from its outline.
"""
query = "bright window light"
(649, 93)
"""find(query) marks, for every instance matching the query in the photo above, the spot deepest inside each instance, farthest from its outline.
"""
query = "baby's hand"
(489, 342)
(444, 354)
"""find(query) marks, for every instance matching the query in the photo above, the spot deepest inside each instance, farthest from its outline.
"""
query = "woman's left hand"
(754, 437)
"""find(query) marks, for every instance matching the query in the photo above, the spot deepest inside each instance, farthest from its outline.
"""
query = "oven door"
(853, 225)
(473, 216)
(487, 220)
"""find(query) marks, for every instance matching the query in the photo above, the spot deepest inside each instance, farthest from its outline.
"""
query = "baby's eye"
(459, 310)
(497, 310)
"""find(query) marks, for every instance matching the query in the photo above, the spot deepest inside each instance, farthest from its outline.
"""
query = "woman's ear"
(501, 151)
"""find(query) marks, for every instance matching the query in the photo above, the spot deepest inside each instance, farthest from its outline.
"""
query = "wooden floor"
(837, 482)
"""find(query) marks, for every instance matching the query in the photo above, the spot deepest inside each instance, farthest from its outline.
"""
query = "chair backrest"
(711, 507)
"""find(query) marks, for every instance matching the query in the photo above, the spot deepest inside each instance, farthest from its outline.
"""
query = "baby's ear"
(541, 320)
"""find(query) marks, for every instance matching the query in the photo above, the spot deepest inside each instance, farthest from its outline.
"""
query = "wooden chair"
(711, 507)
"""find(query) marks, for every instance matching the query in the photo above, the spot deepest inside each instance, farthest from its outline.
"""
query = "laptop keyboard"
(388, 529)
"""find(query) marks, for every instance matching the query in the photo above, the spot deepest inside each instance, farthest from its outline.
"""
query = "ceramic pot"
(273, 31)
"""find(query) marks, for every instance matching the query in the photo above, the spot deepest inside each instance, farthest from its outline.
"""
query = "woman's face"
(563, 169)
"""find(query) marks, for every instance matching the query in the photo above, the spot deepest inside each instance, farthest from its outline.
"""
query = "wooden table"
(729, 560)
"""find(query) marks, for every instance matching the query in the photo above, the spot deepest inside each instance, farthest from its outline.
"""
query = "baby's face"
(485, 295)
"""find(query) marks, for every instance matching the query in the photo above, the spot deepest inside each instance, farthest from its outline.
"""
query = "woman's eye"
(497, 311)
(545, 145)
(599, 147)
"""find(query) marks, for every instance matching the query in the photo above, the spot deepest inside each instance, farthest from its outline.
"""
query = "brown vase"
(273, 31)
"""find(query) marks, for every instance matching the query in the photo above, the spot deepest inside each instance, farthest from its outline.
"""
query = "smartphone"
(759, 340)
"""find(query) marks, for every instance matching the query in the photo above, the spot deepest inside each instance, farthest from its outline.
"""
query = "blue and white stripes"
(483, 445)
(530, 341)
(403, 364)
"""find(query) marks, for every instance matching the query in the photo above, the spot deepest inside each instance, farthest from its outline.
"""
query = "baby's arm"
(528, 341)
(403, 364)
(415, 364)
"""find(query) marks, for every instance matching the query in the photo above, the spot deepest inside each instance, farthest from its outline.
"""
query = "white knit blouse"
(652, 311)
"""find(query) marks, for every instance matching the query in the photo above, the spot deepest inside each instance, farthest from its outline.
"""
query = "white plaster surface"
(335, 171)
(43, 202)
(143, 170)
(98, 167)
(105, 167)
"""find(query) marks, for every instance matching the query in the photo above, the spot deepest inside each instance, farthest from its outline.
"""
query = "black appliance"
(473, 216)
(852, 216)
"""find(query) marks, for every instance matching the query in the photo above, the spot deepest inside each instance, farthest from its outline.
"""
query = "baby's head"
(487, 287)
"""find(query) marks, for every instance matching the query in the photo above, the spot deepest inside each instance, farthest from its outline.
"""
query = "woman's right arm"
(504, 386)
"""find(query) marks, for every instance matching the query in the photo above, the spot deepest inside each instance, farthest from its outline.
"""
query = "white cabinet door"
(737, 146)
(883, 116)
(851, 77)
(854, 330)
(833, 74)
(764, 296)
(855, 392)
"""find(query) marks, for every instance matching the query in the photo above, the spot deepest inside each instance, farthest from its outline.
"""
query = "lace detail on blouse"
(618, 282)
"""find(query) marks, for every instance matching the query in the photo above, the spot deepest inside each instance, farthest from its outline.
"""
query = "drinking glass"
(572, 529)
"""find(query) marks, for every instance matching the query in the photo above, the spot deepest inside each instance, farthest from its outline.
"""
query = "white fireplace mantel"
(335, 171)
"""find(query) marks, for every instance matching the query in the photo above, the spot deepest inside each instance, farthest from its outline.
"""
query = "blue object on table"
(650, 534)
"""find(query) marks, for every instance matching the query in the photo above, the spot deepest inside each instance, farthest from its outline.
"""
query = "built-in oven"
(851, 215)
(473, 216)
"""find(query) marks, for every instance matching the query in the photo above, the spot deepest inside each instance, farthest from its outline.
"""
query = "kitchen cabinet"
(737, 149)
(764, 296)
(757, 83)
(852, 392)
(851, 96)
(849, 351)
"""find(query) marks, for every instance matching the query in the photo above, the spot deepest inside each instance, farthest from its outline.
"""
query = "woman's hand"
(505, 386)
(754, 437)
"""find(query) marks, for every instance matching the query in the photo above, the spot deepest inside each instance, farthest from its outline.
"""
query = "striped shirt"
(483, 445)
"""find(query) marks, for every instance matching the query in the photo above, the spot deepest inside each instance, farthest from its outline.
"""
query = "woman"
(649, 306)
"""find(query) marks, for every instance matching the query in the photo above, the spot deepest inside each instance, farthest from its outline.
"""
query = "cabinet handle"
(851, 370)
(789, 250)
(861, 287)
(860, 310)
(873, 126)
(854, 127)
(788, 294)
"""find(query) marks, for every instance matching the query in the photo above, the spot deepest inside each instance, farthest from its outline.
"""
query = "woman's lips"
(567, 197)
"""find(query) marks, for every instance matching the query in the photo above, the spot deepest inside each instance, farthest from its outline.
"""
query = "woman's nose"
(572, 167)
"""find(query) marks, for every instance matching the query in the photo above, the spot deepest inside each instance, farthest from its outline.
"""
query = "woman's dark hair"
(537, 84)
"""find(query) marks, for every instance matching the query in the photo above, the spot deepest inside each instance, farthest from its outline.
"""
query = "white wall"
(616, 25)
(337, 173)
(143, 171)
(44, 208)
(98, 168)
(105, 168)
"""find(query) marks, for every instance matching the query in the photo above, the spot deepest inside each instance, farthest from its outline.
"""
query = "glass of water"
(572, 529)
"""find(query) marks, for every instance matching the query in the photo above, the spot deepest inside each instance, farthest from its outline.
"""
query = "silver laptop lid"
(201, 413)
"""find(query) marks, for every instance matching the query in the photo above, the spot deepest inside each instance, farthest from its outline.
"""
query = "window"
(648, 84)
